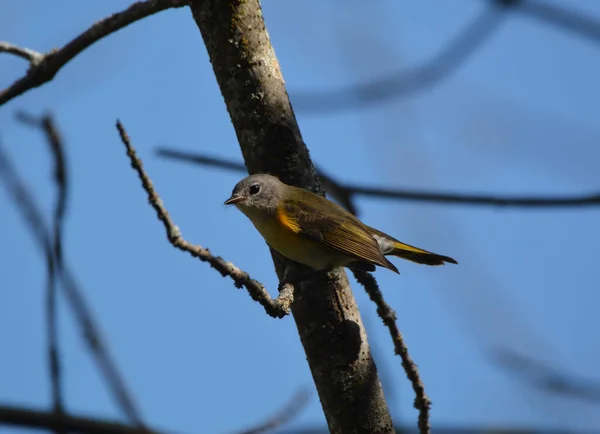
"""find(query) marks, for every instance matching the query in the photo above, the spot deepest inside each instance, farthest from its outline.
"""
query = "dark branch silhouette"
(43, 67)
(333, 188)
(447, 61)
(387, 314)
(29, 418)
(558, 16)
(23, 199)
(291, 409)
(54, 257)
(545, 378)
(277, 308)
(404, 83)
(351, 190)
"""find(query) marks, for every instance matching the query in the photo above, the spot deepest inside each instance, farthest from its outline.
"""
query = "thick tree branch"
(43, 67)
(346, 192)
(387, 314)
(29, 418)
(277, 308)
(324, 308)
(19, 193)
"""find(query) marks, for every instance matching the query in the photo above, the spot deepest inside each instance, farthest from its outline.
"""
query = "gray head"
(259, 192)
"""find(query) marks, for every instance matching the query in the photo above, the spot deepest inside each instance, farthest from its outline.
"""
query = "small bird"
(316, 232)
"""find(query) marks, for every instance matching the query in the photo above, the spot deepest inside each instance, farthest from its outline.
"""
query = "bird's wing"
(337, 230)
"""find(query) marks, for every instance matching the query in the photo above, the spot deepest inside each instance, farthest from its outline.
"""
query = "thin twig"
(22, 417)
(296, 403)
(409, 195)
(409, 82)
(33, 57)
(32, 215)
(556, 15)
(545, 378)
(477, 199)
(332, 187)
(61, 181)
(277, 308)
(387, 314)
(47, 65)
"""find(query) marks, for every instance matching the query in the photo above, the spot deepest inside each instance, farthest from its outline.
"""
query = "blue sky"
(518, 117)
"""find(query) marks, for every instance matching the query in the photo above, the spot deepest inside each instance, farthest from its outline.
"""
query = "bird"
(316, 232)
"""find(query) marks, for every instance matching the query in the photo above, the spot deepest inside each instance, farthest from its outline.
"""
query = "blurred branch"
(336, 190)
(21, 417)
(387, 314)
(297, 402)
(277, 308)
(54, 257)
(476, 199)
(350, 190)
(405, 83)
(546, 378)
(23, 199)
(558, 16)
(43, 67)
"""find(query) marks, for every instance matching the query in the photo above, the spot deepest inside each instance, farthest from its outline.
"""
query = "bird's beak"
(234, 199)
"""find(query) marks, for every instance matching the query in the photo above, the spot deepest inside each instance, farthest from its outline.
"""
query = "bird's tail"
(417, 255)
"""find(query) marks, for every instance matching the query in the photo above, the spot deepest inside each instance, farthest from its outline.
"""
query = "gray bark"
(324, 309)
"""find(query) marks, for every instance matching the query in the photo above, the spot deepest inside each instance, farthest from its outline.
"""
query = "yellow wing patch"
(287, 221)
(333, 228)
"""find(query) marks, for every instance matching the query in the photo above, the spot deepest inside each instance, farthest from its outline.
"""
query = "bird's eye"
(254, 189)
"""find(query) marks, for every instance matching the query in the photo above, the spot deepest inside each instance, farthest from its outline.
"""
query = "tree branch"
(545, 378)
(297, 402)
(387, 314)
(333, 188)
(351, 190)
(277, 308)
(54, 257)
(556, 15)
(33, 57)
(324, 309)
(405, 83)
(20, 417)
(43, 67)
(32, 216)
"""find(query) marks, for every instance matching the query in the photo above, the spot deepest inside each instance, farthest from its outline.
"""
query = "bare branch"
(45, 66)
(296, 403)
(325, 311)
(33, 57)
(349, 190)
(387, 314)
(20, 417)
(558, 16)
(448, 60)
(335, 189)
(32, 216)
(545, 378)
(477, 199)
(54, 256)
(405, 83)
(277, 308)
